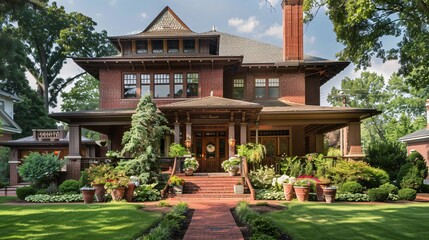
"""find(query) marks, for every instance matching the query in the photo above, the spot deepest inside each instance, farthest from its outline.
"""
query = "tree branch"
(67, 82)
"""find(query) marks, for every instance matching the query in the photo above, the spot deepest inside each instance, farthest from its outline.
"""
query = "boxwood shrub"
(351, 187)
(390, 188)
(23, 192)
(69, 186)
(407, 194)
(377, 195)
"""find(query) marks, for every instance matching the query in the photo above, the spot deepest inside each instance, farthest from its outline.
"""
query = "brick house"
(216, 89)
(8, 126)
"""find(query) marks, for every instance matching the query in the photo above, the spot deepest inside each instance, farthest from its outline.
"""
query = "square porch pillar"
(176, 132)
(243, 133)
(74, 157)
(354, 137)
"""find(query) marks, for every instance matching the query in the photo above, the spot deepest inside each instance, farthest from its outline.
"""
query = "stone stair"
(210, 186)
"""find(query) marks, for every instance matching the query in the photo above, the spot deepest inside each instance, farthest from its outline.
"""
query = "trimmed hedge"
(378, 195)
(390, 188)
(69, 186)
(23, 192)
(407, 194)
(351, 187)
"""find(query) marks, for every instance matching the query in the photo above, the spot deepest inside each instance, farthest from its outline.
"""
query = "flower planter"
(88, 195)
(238, 189)
(178, 189)
(302, 193)
(129, 192)
(100, 192)
(319, 190)
(233, 172)
(329, 194)
(189, 172)
(117, 193)
(288, 191)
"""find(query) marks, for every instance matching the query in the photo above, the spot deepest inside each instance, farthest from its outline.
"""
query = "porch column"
(354, 137)
(320, 143)
(243, 133)
(231, 135)
(167, 142)
(74, 157)
(176, 132)
(13, 166)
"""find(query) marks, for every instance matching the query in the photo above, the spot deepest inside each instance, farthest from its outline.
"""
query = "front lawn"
(354, 221)
(5, 199)
(74, 221)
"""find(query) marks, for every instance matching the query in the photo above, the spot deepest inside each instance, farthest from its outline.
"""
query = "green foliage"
(231, 163)
(389, 156)
(390, 188)
(54, 198)
(69, 186)
(262, 178)
(351, 187)
(268, 194)
(51, 189)
(191, 163)
(4, 164)
(23, 192)
(409, 176)
(40, 168)
(261, 236)
(163, 204)
(254, 152)
(142, 141)
(97, 173)
(84, 179)
(352, 197)
(176, 181)
(291, 166)
(83, 96)
(417, 160)
(177, 150)
(378, 195)
(116, 178)
(147, 192)
(407, 194)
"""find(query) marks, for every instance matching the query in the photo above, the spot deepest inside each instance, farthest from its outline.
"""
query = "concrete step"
(213, 196)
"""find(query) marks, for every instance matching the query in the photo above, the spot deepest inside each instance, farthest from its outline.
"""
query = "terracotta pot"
(329, 194)
(288, 190)
(117, 193)
(88, 196)
(129, 192)
(319, 190)
(302, 193)
(189, 172)
(99, 192)
(233, 172)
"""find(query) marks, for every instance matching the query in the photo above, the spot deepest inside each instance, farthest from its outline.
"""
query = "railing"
(9, 188)
(48, 134)
(245, 174)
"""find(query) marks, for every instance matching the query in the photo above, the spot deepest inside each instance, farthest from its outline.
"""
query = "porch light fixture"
(231, 142)
(188, 143)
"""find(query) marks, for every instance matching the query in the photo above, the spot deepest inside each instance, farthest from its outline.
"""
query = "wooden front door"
(210, 150)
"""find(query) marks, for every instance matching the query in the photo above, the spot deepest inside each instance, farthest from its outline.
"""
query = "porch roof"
(417, 136)
(211, 102)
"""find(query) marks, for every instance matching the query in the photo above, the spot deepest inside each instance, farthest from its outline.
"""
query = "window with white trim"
(130, 88)
(161, 85)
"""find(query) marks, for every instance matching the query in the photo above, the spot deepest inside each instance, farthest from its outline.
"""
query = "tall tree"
(361, 25)
(50, 36)
(83, 96)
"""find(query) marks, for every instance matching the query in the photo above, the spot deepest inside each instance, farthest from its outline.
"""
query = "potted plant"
(231, 165)
(116, 182)
(330, 193)
(302, 188)
(97, 176)
(190, 166)
(254, 152)
(239, 188)
(88, 194)
(129, 192)
(177, 184)
(287, 183)
(320, 185)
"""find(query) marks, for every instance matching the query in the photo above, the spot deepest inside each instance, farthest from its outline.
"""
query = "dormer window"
(157, 46)
(188, 45)
(173, 46)
(141, 46)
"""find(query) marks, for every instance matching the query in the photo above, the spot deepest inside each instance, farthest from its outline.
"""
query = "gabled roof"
(8, 125)
(211, 102)
(417, 136)
(11, 96)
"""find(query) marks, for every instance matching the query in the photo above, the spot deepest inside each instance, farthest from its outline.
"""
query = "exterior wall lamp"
(188, 143)
(231, 142)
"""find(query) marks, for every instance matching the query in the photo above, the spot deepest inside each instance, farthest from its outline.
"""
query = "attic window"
(173, 46)
(157, 46)
(141, 46)
(189, 45)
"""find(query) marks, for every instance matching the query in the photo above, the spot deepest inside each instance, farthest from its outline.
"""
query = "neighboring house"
(216, 90)
(419, 140)
(7, 125)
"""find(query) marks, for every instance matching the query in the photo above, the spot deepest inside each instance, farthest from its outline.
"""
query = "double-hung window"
(161, 85)
(130, 88)
(267, 88)
(145, 84)
(192, 80)
(178, 85)
(238, 89)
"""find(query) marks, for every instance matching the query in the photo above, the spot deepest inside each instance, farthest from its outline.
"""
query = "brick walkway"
(213, 220)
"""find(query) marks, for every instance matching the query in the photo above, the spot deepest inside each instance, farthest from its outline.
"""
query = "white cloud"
(386, 69)
(275, 30)
(143, 15)
(112, 2)
(267, 3)
(244, 26)
(309, 39)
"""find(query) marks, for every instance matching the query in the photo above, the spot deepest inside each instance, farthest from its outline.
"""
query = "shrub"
(43, 198)
(267, 194)
(69, 186)
(147, 192)
(417, 160)
(263, 177)
(84, 179)
(407, 194)
(4, 165)
(352, 197)
(40, 169)
(389, 156)
(262, 225)
(409, 177)
(260, 236)
(2, 184)
(23, 192)
(52, 189)
(390, 188)
(377, 195)
(351, 187)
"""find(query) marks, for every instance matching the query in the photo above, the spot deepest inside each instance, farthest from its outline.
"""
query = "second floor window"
(238, 89)
(157, 46)
(192, 80)
(267, 88)
(273, 88)
(145, 84)
(188, 45)
(130, 89)
(173, 46)
(141, 46)
(161, 85)
(178, 85)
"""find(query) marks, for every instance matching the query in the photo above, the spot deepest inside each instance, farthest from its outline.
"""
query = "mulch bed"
(261, 209)
(181, 234)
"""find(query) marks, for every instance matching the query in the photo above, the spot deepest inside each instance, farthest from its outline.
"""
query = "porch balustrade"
(48, 134)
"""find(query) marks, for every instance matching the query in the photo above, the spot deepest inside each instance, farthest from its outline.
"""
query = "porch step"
(212, 196)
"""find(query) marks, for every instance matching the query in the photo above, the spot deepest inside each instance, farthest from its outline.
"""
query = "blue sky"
(248, 18)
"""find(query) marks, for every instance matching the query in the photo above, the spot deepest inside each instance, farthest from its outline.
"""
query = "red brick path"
(213, 220)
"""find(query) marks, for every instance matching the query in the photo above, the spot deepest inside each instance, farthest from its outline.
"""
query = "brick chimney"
(427, 114)
(293, 48)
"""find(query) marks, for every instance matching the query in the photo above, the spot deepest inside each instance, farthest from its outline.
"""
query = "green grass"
(74, 221)
(5, 199)
(354, 221)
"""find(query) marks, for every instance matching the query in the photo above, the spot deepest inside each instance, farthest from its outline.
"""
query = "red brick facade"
(293, 30)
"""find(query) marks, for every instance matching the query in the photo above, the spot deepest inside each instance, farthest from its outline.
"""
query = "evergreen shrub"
(23, 192)
(378, 195)
(351, 187)
(407, 194)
